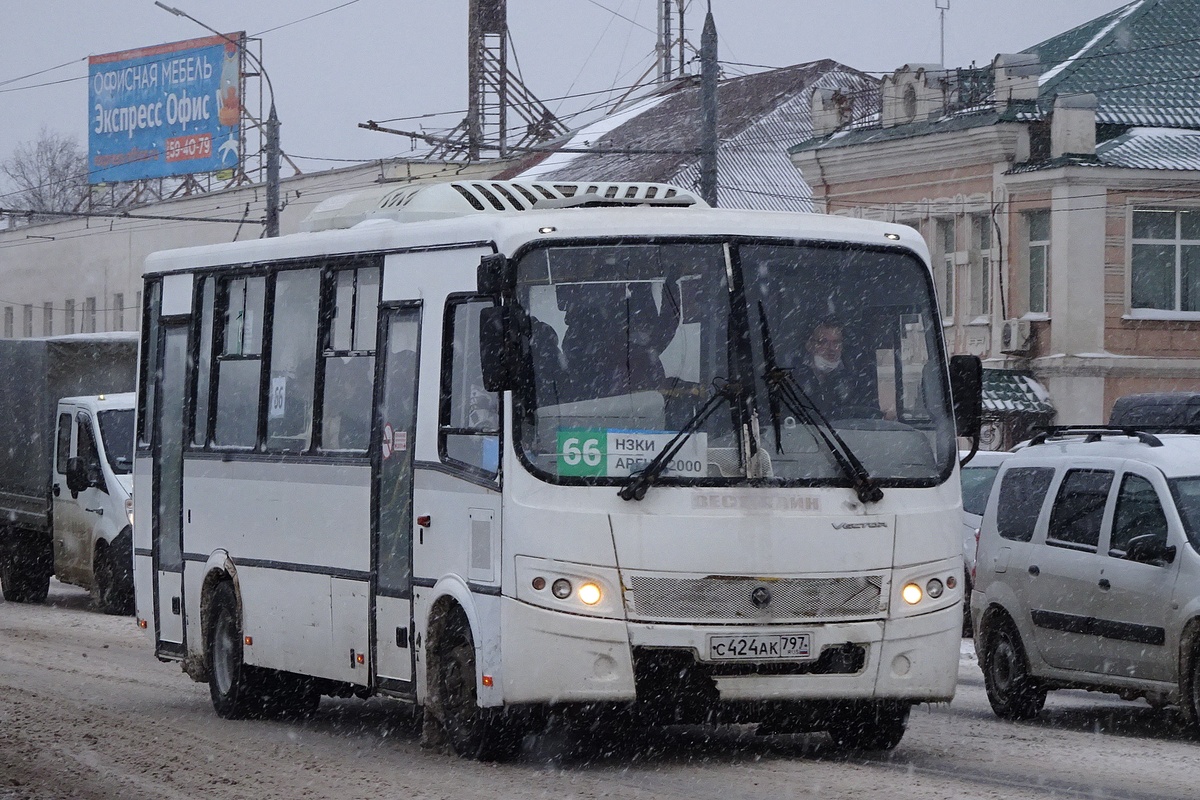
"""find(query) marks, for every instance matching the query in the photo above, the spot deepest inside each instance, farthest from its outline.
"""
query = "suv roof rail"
(1094, 433)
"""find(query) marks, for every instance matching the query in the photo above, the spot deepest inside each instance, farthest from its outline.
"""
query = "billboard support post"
(272, 144)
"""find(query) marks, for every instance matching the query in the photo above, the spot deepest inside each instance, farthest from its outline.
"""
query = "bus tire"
(235, 687)
(472, 732)
(1013, 693)
(113, 576)
(871, 726)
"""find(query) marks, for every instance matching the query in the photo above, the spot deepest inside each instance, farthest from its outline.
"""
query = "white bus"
(496, 448)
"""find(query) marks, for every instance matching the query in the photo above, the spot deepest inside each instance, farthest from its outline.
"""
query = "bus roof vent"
(426, 201)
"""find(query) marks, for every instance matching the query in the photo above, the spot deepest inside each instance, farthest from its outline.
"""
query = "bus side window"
(470, 415)
(239, 361)
(349, 359)
(293, 360)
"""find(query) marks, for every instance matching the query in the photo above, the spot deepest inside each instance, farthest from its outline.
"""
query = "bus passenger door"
(167, 523)
(395, 421)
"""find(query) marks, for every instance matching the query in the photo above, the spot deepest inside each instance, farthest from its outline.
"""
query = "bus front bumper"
(568, 658)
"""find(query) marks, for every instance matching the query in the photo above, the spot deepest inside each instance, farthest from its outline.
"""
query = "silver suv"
(1088, 571)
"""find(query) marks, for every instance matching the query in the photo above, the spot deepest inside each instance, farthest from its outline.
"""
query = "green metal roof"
(1142, 62)
(1008, 391)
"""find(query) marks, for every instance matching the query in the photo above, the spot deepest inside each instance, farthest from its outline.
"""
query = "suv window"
(1022, 491)
(1138, 513)
(1079, 509)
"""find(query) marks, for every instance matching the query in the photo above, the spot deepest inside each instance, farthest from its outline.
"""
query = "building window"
(28, 314)
(8, 322)
(944, 266)
(47, 319)
(89, 315)
(1165, 260)
(69, 317)
(1038, 227)
(981, 266)
(118, 312)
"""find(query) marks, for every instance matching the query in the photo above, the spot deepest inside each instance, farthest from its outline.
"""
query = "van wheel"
(871, 726)
(235, 688)
(472, 732)
(1012, 691)
(1189, 690)
(114, 580)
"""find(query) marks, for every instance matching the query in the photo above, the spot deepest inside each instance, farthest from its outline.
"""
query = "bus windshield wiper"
(635, 488)
(782, 385)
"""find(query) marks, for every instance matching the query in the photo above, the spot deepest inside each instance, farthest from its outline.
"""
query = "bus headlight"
(590, 594)
(561, 588)
(934, 588)
(911, 594)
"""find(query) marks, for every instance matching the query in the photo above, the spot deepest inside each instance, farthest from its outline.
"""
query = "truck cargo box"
(34, 374)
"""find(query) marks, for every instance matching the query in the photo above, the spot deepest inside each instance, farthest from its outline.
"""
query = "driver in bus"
(834, 387)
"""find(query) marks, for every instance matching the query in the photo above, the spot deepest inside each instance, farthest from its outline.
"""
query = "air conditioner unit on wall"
(1015, 337)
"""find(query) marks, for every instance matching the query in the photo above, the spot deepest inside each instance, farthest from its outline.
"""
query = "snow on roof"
(1152, 148)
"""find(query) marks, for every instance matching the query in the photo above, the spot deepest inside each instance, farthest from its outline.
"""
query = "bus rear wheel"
(472, 732)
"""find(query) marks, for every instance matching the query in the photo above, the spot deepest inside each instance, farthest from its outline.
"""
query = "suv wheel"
(1012, 691)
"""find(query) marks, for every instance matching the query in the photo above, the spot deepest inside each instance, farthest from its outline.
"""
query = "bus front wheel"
(472, 731)
(234, 687)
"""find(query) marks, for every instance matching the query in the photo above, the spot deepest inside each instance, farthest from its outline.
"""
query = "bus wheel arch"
(453, 715)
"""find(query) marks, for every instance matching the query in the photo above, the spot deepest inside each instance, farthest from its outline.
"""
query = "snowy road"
(87, 712)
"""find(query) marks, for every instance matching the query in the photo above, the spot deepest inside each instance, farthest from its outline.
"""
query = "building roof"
(1152, 148)
(1007, 391)
(1141, 61)
(658, 138)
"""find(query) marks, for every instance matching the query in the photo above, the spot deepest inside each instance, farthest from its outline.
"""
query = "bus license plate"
(761, 647)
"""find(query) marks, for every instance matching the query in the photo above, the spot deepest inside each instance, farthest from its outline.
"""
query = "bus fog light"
(539, 583)
(911, 594)
(589, 594)
(561, 588)
(934, 588)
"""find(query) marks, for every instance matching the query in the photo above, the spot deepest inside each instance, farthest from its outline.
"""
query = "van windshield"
(627, 342)
(116, 429)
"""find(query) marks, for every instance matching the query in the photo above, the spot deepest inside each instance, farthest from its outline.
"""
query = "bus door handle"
(1034, 571)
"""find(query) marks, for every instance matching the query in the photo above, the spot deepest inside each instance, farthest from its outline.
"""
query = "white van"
(976, 477)
(1088, 571)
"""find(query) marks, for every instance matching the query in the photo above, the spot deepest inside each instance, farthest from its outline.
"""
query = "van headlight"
(129, 510)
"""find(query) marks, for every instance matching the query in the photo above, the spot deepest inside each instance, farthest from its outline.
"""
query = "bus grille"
(716, 598)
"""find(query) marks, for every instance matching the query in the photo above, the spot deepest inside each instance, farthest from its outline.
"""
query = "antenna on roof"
(942, 6)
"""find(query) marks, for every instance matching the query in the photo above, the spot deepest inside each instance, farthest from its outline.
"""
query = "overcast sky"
(383, 59)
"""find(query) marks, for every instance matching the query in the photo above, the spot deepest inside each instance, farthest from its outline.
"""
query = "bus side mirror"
(489, 276)
(966, 387)
(495, 357)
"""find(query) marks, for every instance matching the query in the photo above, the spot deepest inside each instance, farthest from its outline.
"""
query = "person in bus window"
(834, 387)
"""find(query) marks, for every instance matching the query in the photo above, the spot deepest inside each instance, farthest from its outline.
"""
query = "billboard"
(170, 109)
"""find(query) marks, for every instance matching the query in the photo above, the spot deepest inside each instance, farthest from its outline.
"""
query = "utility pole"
(942, 6)
(708, 114)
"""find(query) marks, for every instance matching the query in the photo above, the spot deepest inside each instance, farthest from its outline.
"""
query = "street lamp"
(272, 123)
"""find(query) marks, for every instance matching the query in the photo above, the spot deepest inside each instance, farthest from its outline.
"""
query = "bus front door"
(167, 523)
(395, 421)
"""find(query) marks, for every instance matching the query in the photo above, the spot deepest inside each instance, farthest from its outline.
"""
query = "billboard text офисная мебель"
(171, 109)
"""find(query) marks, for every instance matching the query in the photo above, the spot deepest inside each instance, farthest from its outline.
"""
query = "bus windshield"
(628, 343)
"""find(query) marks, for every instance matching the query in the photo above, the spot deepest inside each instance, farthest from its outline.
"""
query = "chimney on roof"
(830, 111)
(913, 93)
(1073, 125)
(1016, 78)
